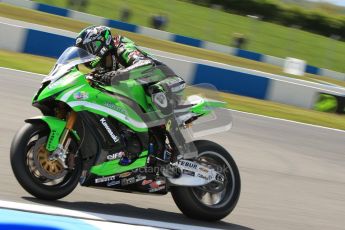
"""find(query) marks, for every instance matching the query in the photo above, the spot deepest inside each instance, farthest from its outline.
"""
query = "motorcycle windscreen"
(70, 58)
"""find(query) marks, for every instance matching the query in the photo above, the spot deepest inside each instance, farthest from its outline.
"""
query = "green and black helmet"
(97, 40)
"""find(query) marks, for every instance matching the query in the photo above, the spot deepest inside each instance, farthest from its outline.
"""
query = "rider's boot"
(128, 159)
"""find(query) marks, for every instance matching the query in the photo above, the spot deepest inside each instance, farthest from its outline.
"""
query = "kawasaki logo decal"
(106, 126)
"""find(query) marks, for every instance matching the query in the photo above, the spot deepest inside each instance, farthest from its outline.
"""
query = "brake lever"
(94, 80)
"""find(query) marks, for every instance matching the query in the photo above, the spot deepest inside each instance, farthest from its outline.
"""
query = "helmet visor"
(93, 47)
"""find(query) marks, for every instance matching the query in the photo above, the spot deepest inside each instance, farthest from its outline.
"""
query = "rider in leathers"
(119, 55)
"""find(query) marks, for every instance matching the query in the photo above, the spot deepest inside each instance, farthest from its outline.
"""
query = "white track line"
(43, 209)
(253, 114)
(295, 122)
(22, 71)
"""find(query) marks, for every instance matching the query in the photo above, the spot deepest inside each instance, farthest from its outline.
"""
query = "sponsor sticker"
(187, 172)
(146, 182)
(104, 179)
(160, 99)
(157, 189)
(115, 107)
(140, 178)
(125, 174)
(112, 183)
(128, 181)
(156, 184)
(188, 164)
(82, 95)
(115, 156)
(111, 133)
(202, 176)
(203, 169)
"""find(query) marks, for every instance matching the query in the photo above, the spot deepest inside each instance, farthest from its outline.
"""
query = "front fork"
(61, 152)
(71, 119)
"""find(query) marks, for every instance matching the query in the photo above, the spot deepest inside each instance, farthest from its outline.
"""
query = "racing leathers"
(127, 57)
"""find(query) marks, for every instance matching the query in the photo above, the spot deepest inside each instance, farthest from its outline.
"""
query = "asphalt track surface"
(293, 175)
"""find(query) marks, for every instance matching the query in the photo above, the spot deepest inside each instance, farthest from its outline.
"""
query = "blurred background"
(233, 44)
(293, 172)
(310, 30)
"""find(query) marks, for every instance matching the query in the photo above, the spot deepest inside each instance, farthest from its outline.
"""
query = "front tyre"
(210, 202)
(41, 177)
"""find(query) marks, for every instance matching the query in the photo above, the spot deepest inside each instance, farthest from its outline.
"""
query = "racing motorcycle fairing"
(121, 116)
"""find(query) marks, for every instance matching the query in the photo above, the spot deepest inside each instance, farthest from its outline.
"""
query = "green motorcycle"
(88, 128)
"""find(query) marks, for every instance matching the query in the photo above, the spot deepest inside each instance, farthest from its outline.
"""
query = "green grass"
(76, 26)
(217, 26)
(26, 62)
(278, 110)
(42, 65)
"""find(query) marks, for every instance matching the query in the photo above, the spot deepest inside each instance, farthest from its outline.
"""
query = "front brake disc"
(50, 169)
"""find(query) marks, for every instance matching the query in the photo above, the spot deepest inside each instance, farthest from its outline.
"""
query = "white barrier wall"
(226, 78)
(12, 38)
(332, 74)
(293, 94)
(167, 36)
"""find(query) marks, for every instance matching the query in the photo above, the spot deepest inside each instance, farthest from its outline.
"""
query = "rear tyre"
(206, 202)
(34, 171)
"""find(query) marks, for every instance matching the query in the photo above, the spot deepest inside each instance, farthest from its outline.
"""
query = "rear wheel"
(37, 174)
(213, 201)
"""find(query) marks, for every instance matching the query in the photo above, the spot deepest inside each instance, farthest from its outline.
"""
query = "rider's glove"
(104, 77)
(95, 76)
(107, 77)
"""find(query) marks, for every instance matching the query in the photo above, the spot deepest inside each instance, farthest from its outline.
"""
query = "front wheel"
(211, 202)
(36, 173)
